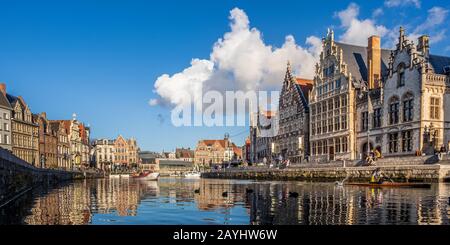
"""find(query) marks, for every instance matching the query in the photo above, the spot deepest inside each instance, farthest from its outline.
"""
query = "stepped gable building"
(85, 145)
(63, 146)
(367, 98)
(121, 155)
(48, 142)
(5, 120)
(25, 131)
(292, 139)
(72, 127)
(415, 89)
(133, 152)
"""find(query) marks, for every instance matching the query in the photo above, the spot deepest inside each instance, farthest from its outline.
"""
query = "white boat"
(193, 175)
(146, 176)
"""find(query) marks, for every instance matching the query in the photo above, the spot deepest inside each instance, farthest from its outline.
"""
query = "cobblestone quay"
(18, 176)
(404, 173)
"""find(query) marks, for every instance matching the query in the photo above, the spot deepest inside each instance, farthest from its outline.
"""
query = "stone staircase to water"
(383, 162)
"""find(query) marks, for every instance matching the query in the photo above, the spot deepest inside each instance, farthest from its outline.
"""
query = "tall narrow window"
(401, 75)
(330, 125)
(344, 144)
(324, 127)
(337, 143)
(406, 141)
(343, 122)
(364, 121)
(393, 111)
(377, 118)
(338, 83)
(408, 108)
(434, 108)
(393, 143)
(337, 124)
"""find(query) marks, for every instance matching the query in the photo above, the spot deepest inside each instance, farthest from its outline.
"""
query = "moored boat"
(146, 176)
(193, 175)
(392, 185)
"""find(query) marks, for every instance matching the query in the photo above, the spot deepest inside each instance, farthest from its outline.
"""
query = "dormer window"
(401, 75)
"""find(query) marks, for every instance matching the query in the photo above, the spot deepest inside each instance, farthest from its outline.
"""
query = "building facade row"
(44, 143)
(119, 152)
(364, 99)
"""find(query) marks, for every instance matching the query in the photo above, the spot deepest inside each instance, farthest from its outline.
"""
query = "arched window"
(408, 106)
(401, 75)
(393, 110)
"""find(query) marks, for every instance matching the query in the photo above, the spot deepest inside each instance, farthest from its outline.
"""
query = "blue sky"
(100, 59)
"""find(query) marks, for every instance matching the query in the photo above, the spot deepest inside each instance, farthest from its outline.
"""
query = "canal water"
(120, 201)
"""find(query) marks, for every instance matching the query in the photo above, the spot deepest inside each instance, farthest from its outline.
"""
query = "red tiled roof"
(222, 143)
(305, 84)
(237, 150)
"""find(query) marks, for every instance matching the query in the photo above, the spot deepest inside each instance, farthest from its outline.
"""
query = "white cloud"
(153, 102)
(357, 31)
(241, 60)
(173, 89)
(377, 12)
(431, 26)
(397, 3)
(436, 16)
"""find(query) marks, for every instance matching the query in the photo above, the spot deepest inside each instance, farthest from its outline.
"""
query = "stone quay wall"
(18, 176)
(404, 173)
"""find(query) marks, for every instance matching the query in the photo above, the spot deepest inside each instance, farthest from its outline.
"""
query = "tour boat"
(392, 184)
(146, 176)
(192, 175)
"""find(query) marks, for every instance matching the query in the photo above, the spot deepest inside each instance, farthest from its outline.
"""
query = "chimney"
(424, 45)
(374, 62)
(3, 88)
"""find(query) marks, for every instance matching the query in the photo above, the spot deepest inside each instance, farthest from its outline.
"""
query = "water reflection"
(181, 201)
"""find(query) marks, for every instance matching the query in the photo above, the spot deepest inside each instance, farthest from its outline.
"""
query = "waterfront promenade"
(18, 176)
(405, 169)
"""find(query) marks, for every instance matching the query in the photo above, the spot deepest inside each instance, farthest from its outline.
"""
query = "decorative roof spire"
(288, 76)
(401, 38)
(330, 34)
(289, 68)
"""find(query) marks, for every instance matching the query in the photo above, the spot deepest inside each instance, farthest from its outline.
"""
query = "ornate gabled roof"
(302, 86)
(356, 59)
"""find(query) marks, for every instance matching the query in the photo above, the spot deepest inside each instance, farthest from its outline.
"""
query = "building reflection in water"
(325, 204)
(258, 203)
(74, 204)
